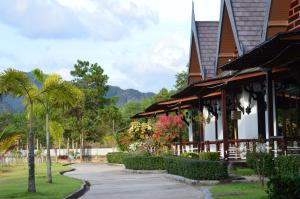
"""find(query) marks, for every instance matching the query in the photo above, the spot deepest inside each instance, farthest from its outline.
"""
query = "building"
(244, 89)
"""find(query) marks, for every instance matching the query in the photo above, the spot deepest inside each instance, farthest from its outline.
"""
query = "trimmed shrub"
(190, 155)
(214, 156)
(262, 163)
(202, 156)
(287, 165)
(115, 157)
(282, 187)
(196, 169)
(143, 162)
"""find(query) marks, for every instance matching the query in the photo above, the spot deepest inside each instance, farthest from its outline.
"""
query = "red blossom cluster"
(167, 128)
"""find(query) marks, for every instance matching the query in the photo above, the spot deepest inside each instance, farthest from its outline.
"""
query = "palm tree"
(16, 83)
(8, 137)
(55, 93)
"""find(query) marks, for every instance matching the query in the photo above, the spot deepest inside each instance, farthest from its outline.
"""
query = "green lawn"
(239, 191)
(13, 181)
(239, 171)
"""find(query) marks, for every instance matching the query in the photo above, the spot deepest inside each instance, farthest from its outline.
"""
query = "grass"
(13, 180)
(239, 171)
(239, 191)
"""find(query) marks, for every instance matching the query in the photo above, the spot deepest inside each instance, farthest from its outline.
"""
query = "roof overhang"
(280, 50)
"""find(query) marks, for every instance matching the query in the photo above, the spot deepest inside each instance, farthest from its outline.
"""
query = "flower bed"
(115, 157)
(143, 162)
(196, 169)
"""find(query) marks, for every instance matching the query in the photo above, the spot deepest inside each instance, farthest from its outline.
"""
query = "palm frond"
(39, 75)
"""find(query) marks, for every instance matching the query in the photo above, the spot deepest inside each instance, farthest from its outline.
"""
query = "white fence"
(20, 156)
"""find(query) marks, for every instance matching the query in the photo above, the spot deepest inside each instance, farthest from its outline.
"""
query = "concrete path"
(113, 182)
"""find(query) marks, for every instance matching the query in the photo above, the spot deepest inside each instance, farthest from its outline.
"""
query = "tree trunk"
(81, 147)
(31, 164)
(49, 173)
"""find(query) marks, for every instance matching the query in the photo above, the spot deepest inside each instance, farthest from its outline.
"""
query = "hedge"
(283, 187)
(144, 162)
(209, 156)
(202, 156)
(115, 157)
(261, 163)
(196, 169)
(287, 165)
(269, 166)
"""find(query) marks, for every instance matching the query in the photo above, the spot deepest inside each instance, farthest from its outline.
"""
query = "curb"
(190, 181)
(82, 190)
(115, 164)
(145, 171)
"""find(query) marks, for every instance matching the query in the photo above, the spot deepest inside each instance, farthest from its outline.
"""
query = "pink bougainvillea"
(167, 128)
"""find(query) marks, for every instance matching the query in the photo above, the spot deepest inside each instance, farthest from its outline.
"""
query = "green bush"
(202, 155)
(284, 187)
(261, 163)
(209, 156)
(115, 157)
(196, 169)
(190, 155)
(287, 165)
(251, 158)
(143, 162)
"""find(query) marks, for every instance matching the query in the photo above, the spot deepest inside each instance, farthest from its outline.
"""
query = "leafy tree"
(57, 133)
(54, 93)
(93, 82)
(181, 80)
(163, 94)
(16, 83)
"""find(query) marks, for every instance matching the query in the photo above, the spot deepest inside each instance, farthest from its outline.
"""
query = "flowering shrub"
(138, 131)
(146, 137)
(167, 129)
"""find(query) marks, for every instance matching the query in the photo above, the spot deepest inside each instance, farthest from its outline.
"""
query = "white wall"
(209, 128)
(248, 125)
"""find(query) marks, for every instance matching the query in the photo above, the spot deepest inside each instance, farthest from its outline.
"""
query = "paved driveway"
(113, 182)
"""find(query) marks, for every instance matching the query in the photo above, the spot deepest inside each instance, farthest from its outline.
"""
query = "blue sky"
(141, 44)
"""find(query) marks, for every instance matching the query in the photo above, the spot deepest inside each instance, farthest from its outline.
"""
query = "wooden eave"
(283, 46)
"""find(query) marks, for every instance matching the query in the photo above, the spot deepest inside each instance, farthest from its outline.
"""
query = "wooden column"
(269, 80)
(201, 130)
(180, 133)
(225, 125)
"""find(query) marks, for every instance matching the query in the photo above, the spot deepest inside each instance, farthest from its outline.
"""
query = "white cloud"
(41, 19)
(105, 19)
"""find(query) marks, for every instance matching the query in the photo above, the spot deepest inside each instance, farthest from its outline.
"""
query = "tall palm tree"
(55, 93)
(16, 83)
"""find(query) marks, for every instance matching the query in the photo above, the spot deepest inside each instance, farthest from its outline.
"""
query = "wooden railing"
(237, 149)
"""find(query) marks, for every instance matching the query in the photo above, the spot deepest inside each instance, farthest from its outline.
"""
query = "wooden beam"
(283, 23)
(269, 79)
(227, 55)
(180, 132)
(201, 130)
(194, 74)
(225, 125)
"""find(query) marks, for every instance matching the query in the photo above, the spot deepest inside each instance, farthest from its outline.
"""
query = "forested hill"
(12, 104)
(127, 95)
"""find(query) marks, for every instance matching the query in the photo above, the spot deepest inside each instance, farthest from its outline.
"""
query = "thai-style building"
(243, 88)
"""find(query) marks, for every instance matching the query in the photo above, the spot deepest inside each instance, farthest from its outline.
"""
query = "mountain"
(14, 104)
(127, 95)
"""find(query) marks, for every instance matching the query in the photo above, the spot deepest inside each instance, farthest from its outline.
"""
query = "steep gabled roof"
(207, 38)
(249, 17)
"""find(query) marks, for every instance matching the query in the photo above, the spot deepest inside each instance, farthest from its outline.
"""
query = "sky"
(140, 44)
